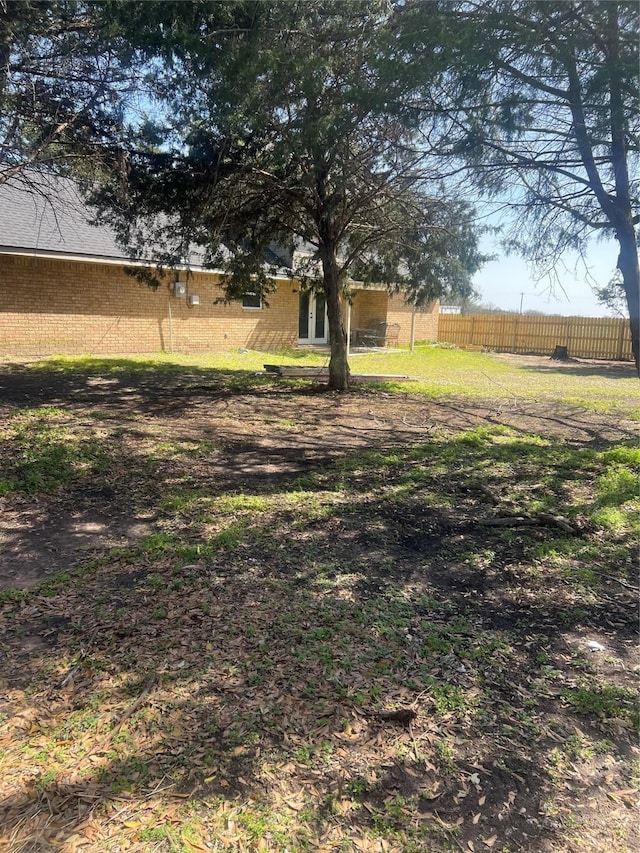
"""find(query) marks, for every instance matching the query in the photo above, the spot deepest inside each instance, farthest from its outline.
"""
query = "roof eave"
(45, 254)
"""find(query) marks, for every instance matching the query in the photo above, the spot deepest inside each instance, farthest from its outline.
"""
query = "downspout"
(348, 327)
(170, 325)
(412, 341)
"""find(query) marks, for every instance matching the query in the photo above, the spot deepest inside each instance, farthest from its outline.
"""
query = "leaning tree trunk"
(628, 266)
(338, 363)
(620, 209)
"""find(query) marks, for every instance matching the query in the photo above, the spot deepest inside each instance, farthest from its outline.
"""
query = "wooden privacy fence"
(584, 337)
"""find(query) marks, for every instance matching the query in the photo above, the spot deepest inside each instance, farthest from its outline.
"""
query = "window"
(252, 300)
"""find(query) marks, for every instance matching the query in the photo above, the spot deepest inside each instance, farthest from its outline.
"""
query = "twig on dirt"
(529, 521)
(621, 582)
(68, 677)
(135, 706)
(427, 427)
(486, 491)
(449, 833)
(102, 745)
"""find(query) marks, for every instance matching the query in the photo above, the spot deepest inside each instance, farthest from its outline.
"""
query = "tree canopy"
(339, 127)
(64, 83)
(276, 126)
(542, 102)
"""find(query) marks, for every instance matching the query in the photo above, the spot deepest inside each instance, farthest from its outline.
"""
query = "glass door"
(312, 318)
(320, 319)
(303, 318)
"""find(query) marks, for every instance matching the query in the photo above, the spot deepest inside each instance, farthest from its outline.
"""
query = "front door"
(312, 319)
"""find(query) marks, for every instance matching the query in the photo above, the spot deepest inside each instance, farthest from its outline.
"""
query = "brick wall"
(371, 306)
(426, 322)
(51, 306)
(61, 306)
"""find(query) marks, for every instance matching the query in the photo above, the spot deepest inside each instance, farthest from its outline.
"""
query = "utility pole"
(521, 298)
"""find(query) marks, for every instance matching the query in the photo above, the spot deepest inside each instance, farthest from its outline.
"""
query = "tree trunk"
(628, 266)
(338, 363)
(622, 218)
(560, 353)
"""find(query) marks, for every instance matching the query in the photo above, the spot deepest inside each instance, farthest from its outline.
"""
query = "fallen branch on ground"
(517, 519)
(621, 582)
(68, 679)
(135, 706)
(402, 715)
(530, 521)
(129, 712)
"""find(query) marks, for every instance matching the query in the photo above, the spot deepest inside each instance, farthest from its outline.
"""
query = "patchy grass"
(438, 371)
(39, 452)
(229, 680)
(604, 701)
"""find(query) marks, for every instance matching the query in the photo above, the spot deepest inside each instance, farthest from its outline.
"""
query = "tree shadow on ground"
(575, 367)
(256, 704)
(277, 610)
(235, 716)
(120, 384)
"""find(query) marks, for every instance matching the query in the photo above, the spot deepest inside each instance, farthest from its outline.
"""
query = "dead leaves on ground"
(261, 715)
(247, 712)
(260, 697)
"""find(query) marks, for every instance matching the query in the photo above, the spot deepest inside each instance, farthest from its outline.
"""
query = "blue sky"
(509, 279)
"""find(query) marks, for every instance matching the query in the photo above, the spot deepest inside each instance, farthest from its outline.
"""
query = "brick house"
(63, 290)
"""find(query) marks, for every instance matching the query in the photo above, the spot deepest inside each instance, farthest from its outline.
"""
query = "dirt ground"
(275, 434)
(263, 436)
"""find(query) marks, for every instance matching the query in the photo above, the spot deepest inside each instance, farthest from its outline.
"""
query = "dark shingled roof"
(46, 214)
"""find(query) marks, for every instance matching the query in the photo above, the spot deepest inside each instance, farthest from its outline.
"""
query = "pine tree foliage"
(64, 85)
(279, 126)
(542, 101)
